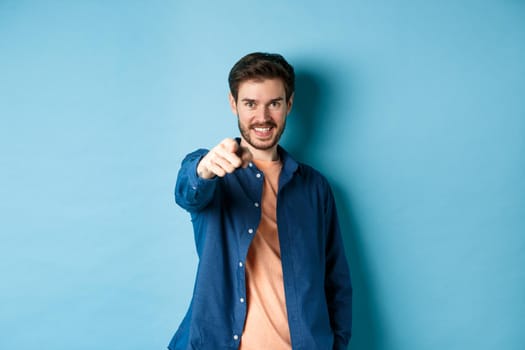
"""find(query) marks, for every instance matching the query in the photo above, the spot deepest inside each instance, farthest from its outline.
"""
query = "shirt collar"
(290, 165)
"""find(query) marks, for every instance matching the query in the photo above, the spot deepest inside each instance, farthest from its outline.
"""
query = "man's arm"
(192, 192)
(197, 177)
(338, 286)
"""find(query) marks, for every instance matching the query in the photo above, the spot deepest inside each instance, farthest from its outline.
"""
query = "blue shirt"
(225, 213)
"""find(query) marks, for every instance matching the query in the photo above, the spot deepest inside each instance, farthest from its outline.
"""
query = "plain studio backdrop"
(414, 110)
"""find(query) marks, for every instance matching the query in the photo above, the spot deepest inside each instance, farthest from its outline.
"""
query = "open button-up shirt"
(225, 213)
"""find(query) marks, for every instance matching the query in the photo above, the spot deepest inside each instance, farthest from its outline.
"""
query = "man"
(272, 271)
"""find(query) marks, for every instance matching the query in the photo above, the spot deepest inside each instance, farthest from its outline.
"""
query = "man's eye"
(276, 104)
(249, 104)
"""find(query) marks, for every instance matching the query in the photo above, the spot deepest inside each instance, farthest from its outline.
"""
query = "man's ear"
(233, 104)
(290, 103)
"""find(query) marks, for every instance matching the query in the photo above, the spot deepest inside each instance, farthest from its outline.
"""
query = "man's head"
(261, 96)
(260, 66)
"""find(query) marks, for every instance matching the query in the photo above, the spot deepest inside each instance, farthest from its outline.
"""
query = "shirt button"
(250, 164)
(240, 263)
(235, 337)
(256, 204)
(241, 300)
(250, 230)
(258, 175)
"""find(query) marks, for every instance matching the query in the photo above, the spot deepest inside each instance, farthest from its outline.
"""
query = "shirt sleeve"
(192, 192)
(338, 286)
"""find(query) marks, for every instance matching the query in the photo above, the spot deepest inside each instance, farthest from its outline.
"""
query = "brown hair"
(261, 65)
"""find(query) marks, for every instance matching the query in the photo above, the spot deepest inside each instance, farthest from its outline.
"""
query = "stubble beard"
(263, 146)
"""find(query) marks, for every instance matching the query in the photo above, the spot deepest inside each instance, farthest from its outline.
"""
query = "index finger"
(229, 156)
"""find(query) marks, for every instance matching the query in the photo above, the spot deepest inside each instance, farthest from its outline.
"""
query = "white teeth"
(262, 129)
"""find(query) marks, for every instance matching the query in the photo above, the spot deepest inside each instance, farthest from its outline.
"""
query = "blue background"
(414, 110)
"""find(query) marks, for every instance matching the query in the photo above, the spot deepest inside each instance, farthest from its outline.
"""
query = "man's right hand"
(223, 159)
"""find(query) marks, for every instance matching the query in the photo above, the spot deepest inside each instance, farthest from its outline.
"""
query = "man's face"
(261, 109)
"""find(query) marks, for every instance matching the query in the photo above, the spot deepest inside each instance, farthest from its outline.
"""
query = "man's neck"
(258, 154)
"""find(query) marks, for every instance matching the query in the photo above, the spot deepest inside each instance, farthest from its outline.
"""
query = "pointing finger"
(230, 145)
(230, 157)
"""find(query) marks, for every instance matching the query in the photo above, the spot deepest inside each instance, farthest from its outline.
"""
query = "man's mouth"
(263, 131)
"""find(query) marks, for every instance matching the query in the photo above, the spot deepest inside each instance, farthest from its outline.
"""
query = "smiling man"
(272, 271)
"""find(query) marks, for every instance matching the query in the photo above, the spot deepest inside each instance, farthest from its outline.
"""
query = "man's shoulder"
(312, 174)
(301, 168)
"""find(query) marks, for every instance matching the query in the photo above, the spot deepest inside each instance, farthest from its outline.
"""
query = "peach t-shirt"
(266, 325)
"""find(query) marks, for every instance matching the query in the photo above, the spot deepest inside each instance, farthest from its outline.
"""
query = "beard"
(262, 145)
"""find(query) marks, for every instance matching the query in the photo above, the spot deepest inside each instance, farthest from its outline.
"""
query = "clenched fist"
(223, 159)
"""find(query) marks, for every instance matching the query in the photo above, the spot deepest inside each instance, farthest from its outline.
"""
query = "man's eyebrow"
(251, 100)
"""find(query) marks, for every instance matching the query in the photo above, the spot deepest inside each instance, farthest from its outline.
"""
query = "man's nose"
(263, 114)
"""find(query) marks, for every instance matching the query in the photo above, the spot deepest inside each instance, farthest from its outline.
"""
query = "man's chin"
(262, 145)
